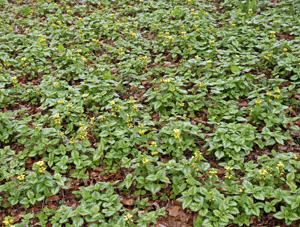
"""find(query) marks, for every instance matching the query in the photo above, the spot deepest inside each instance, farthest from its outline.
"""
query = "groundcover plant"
(149, 113)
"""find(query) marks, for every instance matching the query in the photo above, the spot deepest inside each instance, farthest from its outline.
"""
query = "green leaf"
(153, 188)
(60, 47)
(279, 215)
(128, 180)
(235, 69)
(151, 177)
(186, 201)
(78, 221)
(219, 154)
(30, 194)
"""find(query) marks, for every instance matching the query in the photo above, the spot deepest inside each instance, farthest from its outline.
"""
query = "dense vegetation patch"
(149, 113)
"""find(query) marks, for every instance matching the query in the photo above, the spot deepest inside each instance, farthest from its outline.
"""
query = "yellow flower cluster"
(153, 143)
(170, 39)
(128, 121)
(263, 173)
(242, 189)
(8, 221)
(21, 177)
(258, 102)
(212, 172)
(56, 84)
(41, 164)
(198, 156)
(128, 217)
(142, 132)
(168, 80)
(56, 118)
(267, 57)
(176, 133)
(133, 34)
(41, 39)
(250, 11)
(276, 96)
(272, 34)
(72, 140)
(212, 43)
(82, 137)
(143, 58)
(279, 167)
(15, 80)
(145, 161)
(131, 100)
(135, 107)
(82, 127)
(228, 175)
(96, 41)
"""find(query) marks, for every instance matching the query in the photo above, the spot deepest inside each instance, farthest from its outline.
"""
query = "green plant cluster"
(187, 100)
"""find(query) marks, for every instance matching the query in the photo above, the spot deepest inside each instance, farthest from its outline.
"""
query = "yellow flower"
(55, 116)
(277, 91)
(112, 103)
(276, 96)
(176, 133)
(262, 172)
(258, 101)
(72, 141)
(145, 161)
(60, 101)
(85, 95)
(142, 132)
(40, 163)
(209, 62)
(181, 104)
(42, 169)
(153, 143)
(128, 217)
(21, 177)
(280, 165)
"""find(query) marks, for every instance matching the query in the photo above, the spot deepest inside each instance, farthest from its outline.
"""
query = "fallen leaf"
(128, 202)
(174, 211)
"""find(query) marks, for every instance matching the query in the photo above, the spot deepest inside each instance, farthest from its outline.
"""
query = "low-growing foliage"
(134, 112)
